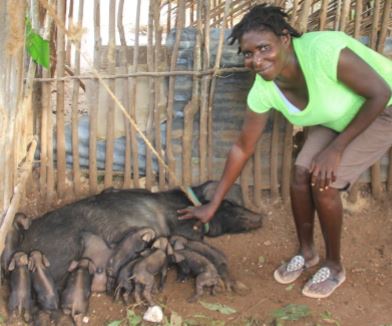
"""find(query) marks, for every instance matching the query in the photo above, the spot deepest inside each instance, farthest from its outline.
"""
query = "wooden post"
(108, 180)
(274, 167)
(180, 21)
(93, 112)
(60, 130)
(124, 66)
(212, 88)
(75, 118)
(192, 107)
(205, 85)
(132, 99)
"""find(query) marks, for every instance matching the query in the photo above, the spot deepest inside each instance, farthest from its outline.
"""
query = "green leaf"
(292, 312)
(223, 309)
(133, 319)
(37, 47)
(115, 323)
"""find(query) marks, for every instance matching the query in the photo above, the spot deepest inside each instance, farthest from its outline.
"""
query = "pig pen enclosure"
(127, 80)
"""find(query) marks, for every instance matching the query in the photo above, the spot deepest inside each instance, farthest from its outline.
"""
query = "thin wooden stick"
(287, 161)
(375, 24)
(150, 120)
(358, 18)
(345, 11)
(75, 118)
(303, 18)
(386, 18)
(158, 82)
(132, 99)
(274, 184)
(192, 107)
(124, 64)
(92, 152)
(257, 181)
(323, 14)
(60, 134)
(212, 88)
(180, 21)
(205, 84)
(110, 125)
(69, 42)
(389, 179)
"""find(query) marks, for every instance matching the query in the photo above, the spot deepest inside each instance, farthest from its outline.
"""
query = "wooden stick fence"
(188, 144)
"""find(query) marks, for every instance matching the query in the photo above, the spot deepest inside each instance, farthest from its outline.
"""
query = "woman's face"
(265, 53)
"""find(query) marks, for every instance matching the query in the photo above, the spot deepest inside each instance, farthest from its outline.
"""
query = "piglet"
(96, 249)
(43, 283)
(75, 297)
(20, 301)
(14, 237)
(128, 249)
(192, 263)
(147, 268)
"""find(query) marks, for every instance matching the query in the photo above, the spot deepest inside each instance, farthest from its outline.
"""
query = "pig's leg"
(137, 293)
(148, 285)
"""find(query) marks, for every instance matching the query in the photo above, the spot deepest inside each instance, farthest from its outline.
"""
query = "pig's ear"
(178, 257)
(45, 260)
(11, 265)
(74, 264)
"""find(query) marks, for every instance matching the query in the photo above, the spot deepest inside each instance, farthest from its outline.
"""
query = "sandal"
(323, 283)
(288, 272)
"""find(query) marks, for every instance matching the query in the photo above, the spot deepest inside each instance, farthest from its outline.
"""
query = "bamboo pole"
(192, 107)
(75, 118)
(110, 127)
(150, 120)
(158, 82)
(124, 65)
(132, 99)
(205, 84)
(218, 59)
(60, 135)
(92, 152)
(180, 21)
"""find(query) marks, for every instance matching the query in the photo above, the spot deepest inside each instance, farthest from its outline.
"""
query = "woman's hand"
(203, 213)
(324, 167)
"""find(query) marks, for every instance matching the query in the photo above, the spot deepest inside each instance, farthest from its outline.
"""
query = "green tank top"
(331, 103)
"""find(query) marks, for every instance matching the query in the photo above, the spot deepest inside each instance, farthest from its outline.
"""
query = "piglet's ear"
(11, 265)
(45, 260)
(74, 264)
(31, 265)
(91, 268)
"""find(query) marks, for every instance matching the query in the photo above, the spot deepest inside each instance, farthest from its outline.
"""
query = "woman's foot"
(289, 271)
(324, 282)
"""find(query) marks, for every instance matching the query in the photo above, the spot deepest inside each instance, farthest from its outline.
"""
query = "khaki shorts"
(366, 149)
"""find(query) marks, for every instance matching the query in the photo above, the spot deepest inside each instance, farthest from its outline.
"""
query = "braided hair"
(263, 17)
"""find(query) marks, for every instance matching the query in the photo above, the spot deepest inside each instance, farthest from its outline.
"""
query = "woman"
(339, 88)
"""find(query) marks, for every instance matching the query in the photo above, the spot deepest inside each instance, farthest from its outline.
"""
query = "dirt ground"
(364, 299)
